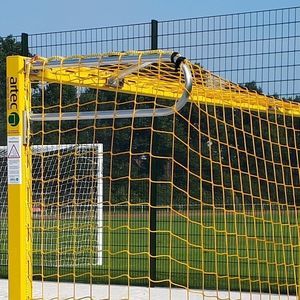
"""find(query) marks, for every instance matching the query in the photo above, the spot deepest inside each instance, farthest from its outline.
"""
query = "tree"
(296, 98)
(56, 98)
(252, 86)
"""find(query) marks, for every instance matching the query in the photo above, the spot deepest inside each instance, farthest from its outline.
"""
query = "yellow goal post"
(200, 178)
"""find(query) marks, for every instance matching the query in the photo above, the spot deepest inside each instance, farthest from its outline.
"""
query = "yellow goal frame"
(19, 208)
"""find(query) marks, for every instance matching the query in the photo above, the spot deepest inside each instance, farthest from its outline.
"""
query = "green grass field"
(257, 252)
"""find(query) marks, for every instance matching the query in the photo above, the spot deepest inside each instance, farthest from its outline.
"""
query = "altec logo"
(13, 117)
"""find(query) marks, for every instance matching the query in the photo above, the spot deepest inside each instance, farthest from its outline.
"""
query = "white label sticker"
(14, 166)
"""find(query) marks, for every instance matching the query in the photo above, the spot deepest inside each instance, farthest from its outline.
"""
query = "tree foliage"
(253, 87)
(8, 46)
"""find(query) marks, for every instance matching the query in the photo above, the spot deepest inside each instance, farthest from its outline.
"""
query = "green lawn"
(210, 250)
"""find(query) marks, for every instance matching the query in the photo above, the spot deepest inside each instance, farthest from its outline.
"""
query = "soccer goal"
(67, 189)
(160, 174)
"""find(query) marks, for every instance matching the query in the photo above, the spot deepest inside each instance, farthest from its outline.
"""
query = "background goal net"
(67, 189)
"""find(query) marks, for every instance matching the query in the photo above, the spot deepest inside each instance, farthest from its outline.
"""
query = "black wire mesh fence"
(260, 46)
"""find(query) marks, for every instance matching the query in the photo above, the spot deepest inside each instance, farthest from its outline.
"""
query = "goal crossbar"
(115, 80)
(133, 73)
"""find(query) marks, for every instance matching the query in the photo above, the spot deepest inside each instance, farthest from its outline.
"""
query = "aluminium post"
(19, 184)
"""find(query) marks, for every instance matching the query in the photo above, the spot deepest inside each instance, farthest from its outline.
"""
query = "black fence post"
(154, 35)
(154, 177)
(24, 44)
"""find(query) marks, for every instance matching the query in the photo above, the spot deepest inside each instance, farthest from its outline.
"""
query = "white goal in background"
(67, 192)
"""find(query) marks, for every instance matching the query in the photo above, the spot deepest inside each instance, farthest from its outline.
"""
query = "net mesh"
(204, 198)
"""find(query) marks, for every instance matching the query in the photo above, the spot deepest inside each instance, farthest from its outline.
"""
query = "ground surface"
(103, 292)
(224, 250)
